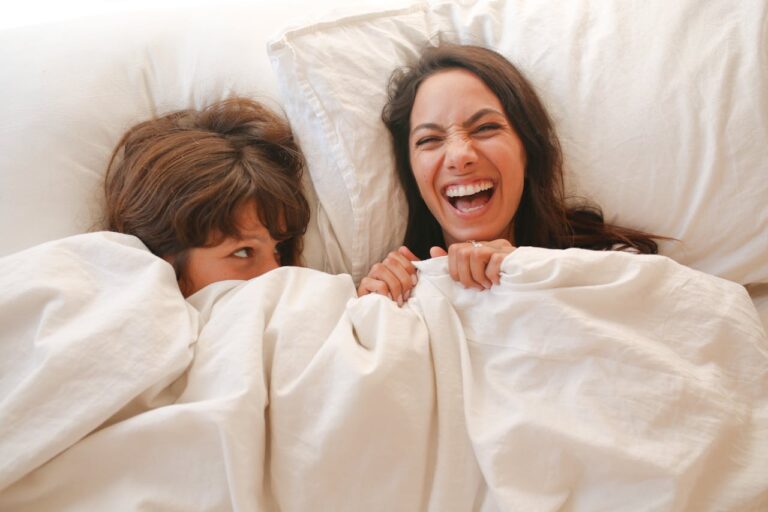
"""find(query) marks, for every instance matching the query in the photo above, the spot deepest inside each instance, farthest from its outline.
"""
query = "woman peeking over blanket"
(482, 170)
(215, 192)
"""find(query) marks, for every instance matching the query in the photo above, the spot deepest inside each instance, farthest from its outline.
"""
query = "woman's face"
(468, 161)
(232, 258)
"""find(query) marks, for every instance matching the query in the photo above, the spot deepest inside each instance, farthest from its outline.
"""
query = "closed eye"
(427, 140)
(487, 127)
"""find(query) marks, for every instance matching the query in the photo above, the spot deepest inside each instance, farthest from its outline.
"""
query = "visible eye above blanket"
(243, 252)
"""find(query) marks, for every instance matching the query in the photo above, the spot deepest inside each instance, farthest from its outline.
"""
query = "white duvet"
(588, 381)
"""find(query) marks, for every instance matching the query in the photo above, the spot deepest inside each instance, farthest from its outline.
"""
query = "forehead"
(247, 220)
(451, 96)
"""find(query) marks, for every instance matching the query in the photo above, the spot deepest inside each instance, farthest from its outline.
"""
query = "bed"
(585, 381)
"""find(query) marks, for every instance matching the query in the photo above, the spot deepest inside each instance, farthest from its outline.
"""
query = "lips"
(469, 197)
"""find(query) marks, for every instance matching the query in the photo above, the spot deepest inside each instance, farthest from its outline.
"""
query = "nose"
(459, 153)
(262, 265)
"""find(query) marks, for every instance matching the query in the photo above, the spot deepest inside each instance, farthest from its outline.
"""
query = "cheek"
(268, 259)
(424, 174)
(510, 161)
(271, 261)
(198, 272)
(212, 273)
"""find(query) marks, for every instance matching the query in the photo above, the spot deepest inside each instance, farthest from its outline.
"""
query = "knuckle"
(379, 287)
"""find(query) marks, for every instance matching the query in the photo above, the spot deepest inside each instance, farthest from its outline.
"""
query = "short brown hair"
(177, 180)
(542, 219)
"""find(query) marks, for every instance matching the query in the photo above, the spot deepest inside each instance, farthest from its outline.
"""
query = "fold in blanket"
(584, 381)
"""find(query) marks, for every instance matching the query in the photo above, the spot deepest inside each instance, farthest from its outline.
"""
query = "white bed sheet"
(585, 381)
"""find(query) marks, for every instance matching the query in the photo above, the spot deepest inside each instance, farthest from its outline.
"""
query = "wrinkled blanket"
(584, 381)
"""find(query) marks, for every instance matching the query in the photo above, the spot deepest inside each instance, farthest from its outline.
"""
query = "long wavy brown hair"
(543, 218)
(177, 181)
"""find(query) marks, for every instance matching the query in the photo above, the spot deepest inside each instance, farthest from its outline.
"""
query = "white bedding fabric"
(585, 381)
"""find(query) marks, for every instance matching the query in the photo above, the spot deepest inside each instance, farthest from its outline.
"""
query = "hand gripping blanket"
(585, 381)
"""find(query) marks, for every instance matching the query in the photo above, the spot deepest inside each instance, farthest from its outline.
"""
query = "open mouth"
(470, 197)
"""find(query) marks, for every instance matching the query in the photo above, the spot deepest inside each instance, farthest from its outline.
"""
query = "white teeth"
(467, 190)
(470, 209)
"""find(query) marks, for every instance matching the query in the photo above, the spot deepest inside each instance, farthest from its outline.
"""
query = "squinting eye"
(426, 140)
(242, 253)
(488, 127)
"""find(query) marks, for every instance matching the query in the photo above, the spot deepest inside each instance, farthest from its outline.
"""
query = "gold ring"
(475, 244)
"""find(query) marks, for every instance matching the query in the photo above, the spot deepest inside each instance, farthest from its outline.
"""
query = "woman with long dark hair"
(482, 170)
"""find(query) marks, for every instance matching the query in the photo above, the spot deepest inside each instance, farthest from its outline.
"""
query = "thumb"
(436, 252)
(407, 253)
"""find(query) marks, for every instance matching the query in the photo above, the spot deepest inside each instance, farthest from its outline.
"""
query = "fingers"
(407, 253)
(473, 264)
(380, 280)
(393, 277)
(478, 264)
(462, 257)
(401, 267)
(371, 285)
(493, 270)
(393, 282)
(500, 250)
(436, 252)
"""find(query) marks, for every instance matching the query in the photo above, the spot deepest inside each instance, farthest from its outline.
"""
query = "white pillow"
(75, 78)
(759, 295)
(662, 110)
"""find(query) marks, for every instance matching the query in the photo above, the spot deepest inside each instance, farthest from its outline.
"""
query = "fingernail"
(414, 279)
(400, 301)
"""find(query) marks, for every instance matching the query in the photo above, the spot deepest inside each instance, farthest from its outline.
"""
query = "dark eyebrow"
(427, 126)
(472, 120)
(480, 113)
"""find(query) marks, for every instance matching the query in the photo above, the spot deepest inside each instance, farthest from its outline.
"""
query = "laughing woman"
(481, 166)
